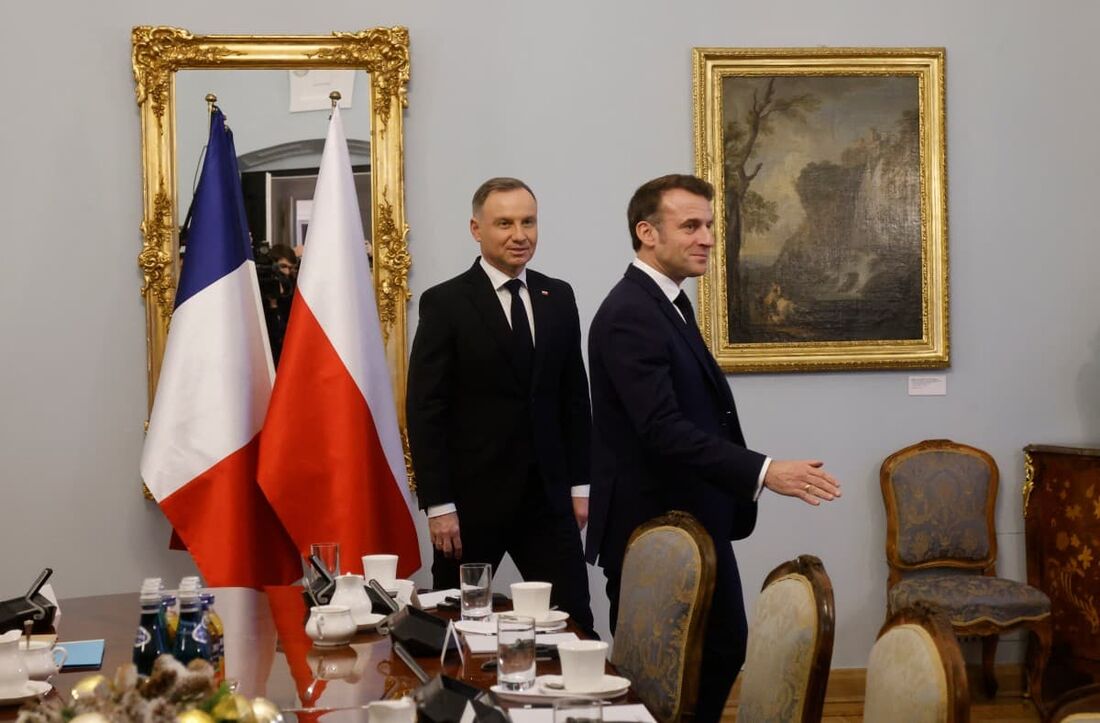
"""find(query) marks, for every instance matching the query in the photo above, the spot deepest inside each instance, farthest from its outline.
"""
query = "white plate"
(610, 686)
(33, 689)
(368, 622)
(552, 617)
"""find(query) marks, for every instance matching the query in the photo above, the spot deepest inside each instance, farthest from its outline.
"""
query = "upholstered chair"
(790, 646)
(916, 672)
(667, 583)
(941, 547)
(1080, 705)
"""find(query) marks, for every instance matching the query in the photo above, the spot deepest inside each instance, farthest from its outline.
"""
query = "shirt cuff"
(447, 508)
(759, 480)
(579, 490)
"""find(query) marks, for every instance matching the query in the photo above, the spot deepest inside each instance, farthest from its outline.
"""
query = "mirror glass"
(279, 119)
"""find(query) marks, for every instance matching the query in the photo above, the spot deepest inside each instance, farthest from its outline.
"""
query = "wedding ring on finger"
(807, 488)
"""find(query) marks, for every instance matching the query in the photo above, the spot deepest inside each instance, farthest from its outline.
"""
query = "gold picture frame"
(158, 52)
(830, 175)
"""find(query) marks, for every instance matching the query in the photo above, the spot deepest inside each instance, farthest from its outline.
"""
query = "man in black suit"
(498, 413)
(665, 429)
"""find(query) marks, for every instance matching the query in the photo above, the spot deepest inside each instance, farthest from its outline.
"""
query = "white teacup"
(42, 660)
(582, 664)
(330, 625)
(382, 568)
(392, 711)
(531, 598)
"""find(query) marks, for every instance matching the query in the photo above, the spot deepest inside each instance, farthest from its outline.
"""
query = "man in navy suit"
(498, 413)
(665, 430)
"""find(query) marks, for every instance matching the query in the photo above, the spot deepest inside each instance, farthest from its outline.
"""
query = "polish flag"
(331, 460)
(200, 453)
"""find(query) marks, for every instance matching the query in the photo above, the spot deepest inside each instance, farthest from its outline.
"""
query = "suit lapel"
(691, 336)
(485, 300)
(541, 307)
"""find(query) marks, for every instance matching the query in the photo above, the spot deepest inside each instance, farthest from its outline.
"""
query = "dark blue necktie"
(523, 347)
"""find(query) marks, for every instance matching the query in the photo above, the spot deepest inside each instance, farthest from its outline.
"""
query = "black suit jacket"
(665, 429)
(475, 428)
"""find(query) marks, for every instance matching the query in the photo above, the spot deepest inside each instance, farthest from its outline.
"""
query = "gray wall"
(585, 100)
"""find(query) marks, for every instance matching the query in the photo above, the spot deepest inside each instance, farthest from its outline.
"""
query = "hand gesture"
(445, 535)
(804, 479)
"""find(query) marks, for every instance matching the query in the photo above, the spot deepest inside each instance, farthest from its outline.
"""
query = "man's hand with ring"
(445, 535)
(804, 479)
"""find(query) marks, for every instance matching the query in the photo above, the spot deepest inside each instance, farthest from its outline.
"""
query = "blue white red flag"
(201, 449)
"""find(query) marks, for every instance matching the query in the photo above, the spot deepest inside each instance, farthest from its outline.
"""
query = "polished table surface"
(269, 655)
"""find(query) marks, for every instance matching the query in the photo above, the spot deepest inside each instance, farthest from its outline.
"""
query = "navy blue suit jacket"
(665, 429)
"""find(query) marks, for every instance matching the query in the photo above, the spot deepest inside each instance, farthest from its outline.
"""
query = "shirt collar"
(497, 277)
(668, 287)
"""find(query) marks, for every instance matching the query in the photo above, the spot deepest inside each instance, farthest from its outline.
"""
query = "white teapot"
(351, 592)
(13, 672)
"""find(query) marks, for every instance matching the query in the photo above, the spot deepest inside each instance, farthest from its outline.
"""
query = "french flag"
(201, 449)
(331, 459)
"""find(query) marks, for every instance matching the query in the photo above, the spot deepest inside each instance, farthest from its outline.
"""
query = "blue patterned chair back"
(790, 646)
(940, 498)
(667, 583)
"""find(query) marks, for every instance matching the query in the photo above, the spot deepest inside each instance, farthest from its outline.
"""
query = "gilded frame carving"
(752, 322)
(158, 52)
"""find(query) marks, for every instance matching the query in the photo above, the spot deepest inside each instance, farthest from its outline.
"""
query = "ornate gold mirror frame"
(158, 52)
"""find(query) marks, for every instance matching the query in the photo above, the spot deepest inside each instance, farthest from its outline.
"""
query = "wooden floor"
(844, 699)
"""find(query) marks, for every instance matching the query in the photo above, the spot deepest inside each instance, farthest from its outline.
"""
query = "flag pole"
(211, 99)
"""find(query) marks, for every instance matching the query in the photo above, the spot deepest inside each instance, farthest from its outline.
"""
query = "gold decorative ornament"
(383, 53)
(1029, 480)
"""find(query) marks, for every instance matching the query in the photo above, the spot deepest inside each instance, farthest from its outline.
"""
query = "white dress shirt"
(671, 289)
(498, 279)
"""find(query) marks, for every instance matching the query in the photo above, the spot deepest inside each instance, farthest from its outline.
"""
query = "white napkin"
(635, 713)
(429, 600)
(480, 644)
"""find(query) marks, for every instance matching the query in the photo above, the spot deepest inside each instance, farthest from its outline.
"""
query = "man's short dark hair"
(646, 201)
(501, 183)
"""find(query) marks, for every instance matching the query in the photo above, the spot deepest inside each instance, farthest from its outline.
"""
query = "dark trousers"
(545, 546)
(725, 638)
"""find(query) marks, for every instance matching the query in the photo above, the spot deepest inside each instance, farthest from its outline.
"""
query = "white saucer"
(368, 622)
(552, 617)
(611, 686)
(476, 627)
(33, 689)
(331, 644)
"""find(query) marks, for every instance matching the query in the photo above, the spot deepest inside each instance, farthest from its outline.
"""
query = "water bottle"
(216, 631)
(192, 637)
(151, 641)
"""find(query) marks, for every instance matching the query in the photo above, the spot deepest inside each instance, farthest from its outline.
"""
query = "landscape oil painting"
(830, 211)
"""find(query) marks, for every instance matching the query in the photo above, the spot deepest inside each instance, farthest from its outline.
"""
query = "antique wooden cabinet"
(1062, 518)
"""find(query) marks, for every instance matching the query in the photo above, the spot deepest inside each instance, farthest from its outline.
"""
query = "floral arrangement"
(173, 693)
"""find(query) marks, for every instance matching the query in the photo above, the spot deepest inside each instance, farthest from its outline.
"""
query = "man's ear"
(647, 233)
(475, 229)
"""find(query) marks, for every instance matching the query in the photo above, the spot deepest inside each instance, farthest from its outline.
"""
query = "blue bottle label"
(143, 638)
(200, 635)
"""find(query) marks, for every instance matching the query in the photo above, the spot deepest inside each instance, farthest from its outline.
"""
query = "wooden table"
(269, 655)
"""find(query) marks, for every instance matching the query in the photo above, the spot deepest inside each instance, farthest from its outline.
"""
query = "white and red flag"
(331, 460)
(200, 453)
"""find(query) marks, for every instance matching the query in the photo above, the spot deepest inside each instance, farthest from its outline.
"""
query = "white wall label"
(930, 386)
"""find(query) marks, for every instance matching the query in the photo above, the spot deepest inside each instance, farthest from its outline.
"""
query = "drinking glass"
(329, 555)
(515, 652)
(475, 583)
(578, 710)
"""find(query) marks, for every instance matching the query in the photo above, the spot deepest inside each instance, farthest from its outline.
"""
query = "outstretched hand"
(804, 479)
